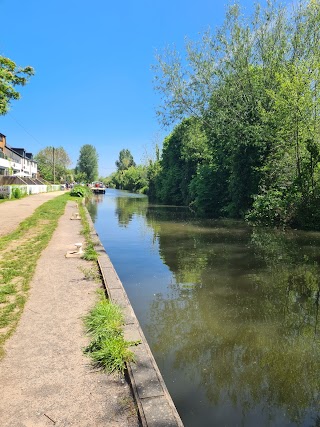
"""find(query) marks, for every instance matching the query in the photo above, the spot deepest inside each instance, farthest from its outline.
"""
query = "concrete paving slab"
(118, 297)
(158, 412)
(113, 280)
(145, 377)
(132, 333)
(104, 261)
(129, 317)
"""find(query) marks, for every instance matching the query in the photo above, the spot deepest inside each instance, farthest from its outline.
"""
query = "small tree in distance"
(88, 163)
(125, 160)
(53, 161)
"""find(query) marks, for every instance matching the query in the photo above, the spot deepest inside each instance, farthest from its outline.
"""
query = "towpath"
(46, 381)
(15, 211)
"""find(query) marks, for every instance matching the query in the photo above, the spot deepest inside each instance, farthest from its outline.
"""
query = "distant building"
(16, 161)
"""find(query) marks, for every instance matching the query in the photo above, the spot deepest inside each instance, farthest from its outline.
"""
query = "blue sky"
(93, 81)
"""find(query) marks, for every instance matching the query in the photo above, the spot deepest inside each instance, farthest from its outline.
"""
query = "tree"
(53, 163)
(253, 86)
(88, 163)
(125, 160)
(11, 75)
(182, 150)
(223, 85)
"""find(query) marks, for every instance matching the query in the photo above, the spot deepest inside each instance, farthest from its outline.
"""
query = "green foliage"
(16, 193)
(80, 191)
(108, 349)
(125, 160)
(91, 273)
(153, 171)
(208, 190)
(129, 176)
(133, 179)
(104, 318)
(80, 176)
(87, 163)
(53, 160)
(274, 207)
(183, 149)
(11, 76)
(250, 93)
(90, 253)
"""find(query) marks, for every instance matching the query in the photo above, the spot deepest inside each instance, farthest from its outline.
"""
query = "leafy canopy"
(88, 163)
(125, 160)
(51, 158)
(11, 76)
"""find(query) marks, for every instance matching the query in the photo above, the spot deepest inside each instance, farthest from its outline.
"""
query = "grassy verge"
(19, 252)
(108, 348)
(89, 252)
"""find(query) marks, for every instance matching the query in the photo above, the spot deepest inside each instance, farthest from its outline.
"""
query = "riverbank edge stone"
(155, 405)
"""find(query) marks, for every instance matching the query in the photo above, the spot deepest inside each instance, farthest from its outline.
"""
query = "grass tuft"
(108, 348)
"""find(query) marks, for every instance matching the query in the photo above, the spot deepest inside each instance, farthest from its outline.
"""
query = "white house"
(16, 161)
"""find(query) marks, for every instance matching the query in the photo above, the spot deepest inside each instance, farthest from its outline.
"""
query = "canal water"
(230, 312)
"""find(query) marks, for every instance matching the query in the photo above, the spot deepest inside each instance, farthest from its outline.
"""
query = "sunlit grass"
(108, 348)
(90, 253)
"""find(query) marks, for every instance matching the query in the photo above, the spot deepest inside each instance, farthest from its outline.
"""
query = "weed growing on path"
(91, 273)
(108, 348)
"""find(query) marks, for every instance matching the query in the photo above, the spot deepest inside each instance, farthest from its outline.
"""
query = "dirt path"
(45, 378)
(15, 211)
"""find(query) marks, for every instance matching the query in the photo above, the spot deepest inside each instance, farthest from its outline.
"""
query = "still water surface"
(231, 313)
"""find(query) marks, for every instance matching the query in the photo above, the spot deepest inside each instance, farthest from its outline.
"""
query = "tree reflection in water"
(127, 207)
(242, 319)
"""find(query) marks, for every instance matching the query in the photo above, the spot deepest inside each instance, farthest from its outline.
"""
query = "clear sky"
(93, 81)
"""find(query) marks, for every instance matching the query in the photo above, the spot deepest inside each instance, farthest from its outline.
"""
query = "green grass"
(19, 253)
(91, 273)
(89, 252)
(108, 348)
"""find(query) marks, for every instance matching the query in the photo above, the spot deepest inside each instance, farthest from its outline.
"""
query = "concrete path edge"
(155, 405)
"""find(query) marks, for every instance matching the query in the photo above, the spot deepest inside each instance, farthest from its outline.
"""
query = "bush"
(89, 253)
(16, 193)
(275, 207)
(80, 191)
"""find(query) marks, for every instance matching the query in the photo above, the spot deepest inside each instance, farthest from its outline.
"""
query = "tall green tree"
(183, 149)
(11, 76)
(125, 160)
(88, 163)
(53, 161)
